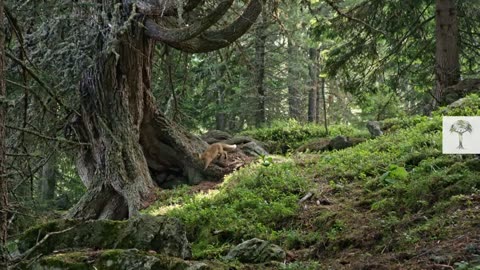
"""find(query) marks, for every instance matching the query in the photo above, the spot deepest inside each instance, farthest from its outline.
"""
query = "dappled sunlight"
(162, 210)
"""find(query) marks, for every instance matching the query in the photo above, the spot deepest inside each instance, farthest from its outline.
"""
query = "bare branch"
(178, 35)
(214, 40)
(306, 197)
(45, 238)
(43, 85)
(59, 139)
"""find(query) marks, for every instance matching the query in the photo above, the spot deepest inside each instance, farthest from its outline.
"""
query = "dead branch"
(306, 197)
(45, 136)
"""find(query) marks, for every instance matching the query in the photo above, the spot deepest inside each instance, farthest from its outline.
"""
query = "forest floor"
(391, 202)
(363, 242)
(366, 244)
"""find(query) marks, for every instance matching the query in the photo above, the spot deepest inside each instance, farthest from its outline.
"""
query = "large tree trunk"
(126, 140)
(3, 110)
(447, 64)
(114, 99)
(127, 135)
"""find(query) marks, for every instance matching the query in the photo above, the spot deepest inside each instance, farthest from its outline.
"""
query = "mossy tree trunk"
(125, 137)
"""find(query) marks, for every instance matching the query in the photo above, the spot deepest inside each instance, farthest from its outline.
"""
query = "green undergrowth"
(387, 194)
(374, 157)
(394, 124)
(409, 187)
(256, 201)
(284, 136)
(407, 168)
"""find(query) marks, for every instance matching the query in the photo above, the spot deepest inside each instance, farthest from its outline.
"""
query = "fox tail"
(229, 147)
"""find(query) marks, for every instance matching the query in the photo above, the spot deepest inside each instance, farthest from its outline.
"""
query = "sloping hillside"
(394, 202)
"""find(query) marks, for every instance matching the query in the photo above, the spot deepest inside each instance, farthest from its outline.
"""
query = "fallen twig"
(306, 197)
(27, 253)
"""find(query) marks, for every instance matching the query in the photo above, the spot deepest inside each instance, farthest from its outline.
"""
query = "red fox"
(214, 150)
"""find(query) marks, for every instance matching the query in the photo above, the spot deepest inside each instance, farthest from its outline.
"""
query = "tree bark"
(313, 91)
(447, 64)
(127, 140)
(320, 87)
(259, 76)
(114, 98)
(293, 93)
(220, 115)
(324, 105)
(3, 111)
(48, 179)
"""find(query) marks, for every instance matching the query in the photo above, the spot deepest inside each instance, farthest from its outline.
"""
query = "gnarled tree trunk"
(126, 139)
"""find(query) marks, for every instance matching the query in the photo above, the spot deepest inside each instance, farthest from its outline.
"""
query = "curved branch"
(239, 26)
(214, 40)
(159, 33)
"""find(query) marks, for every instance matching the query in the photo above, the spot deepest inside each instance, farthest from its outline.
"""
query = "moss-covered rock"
(256, 251)
(163, 235)
(118, 259)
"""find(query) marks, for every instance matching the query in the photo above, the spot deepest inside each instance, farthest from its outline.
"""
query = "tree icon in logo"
(460, 127)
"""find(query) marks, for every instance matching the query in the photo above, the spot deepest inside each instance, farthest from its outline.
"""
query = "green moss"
(102, 231)
(305, 265)
(38, 232)
(253, 202)
(118, 259)
(162, 234)
(70, 261)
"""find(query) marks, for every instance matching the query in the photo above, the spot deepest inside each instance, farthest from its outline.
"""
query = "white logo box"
(461, 135)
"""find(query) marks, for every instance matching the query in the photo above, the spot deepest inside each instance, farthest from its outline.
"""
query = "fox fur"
(214, 150)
